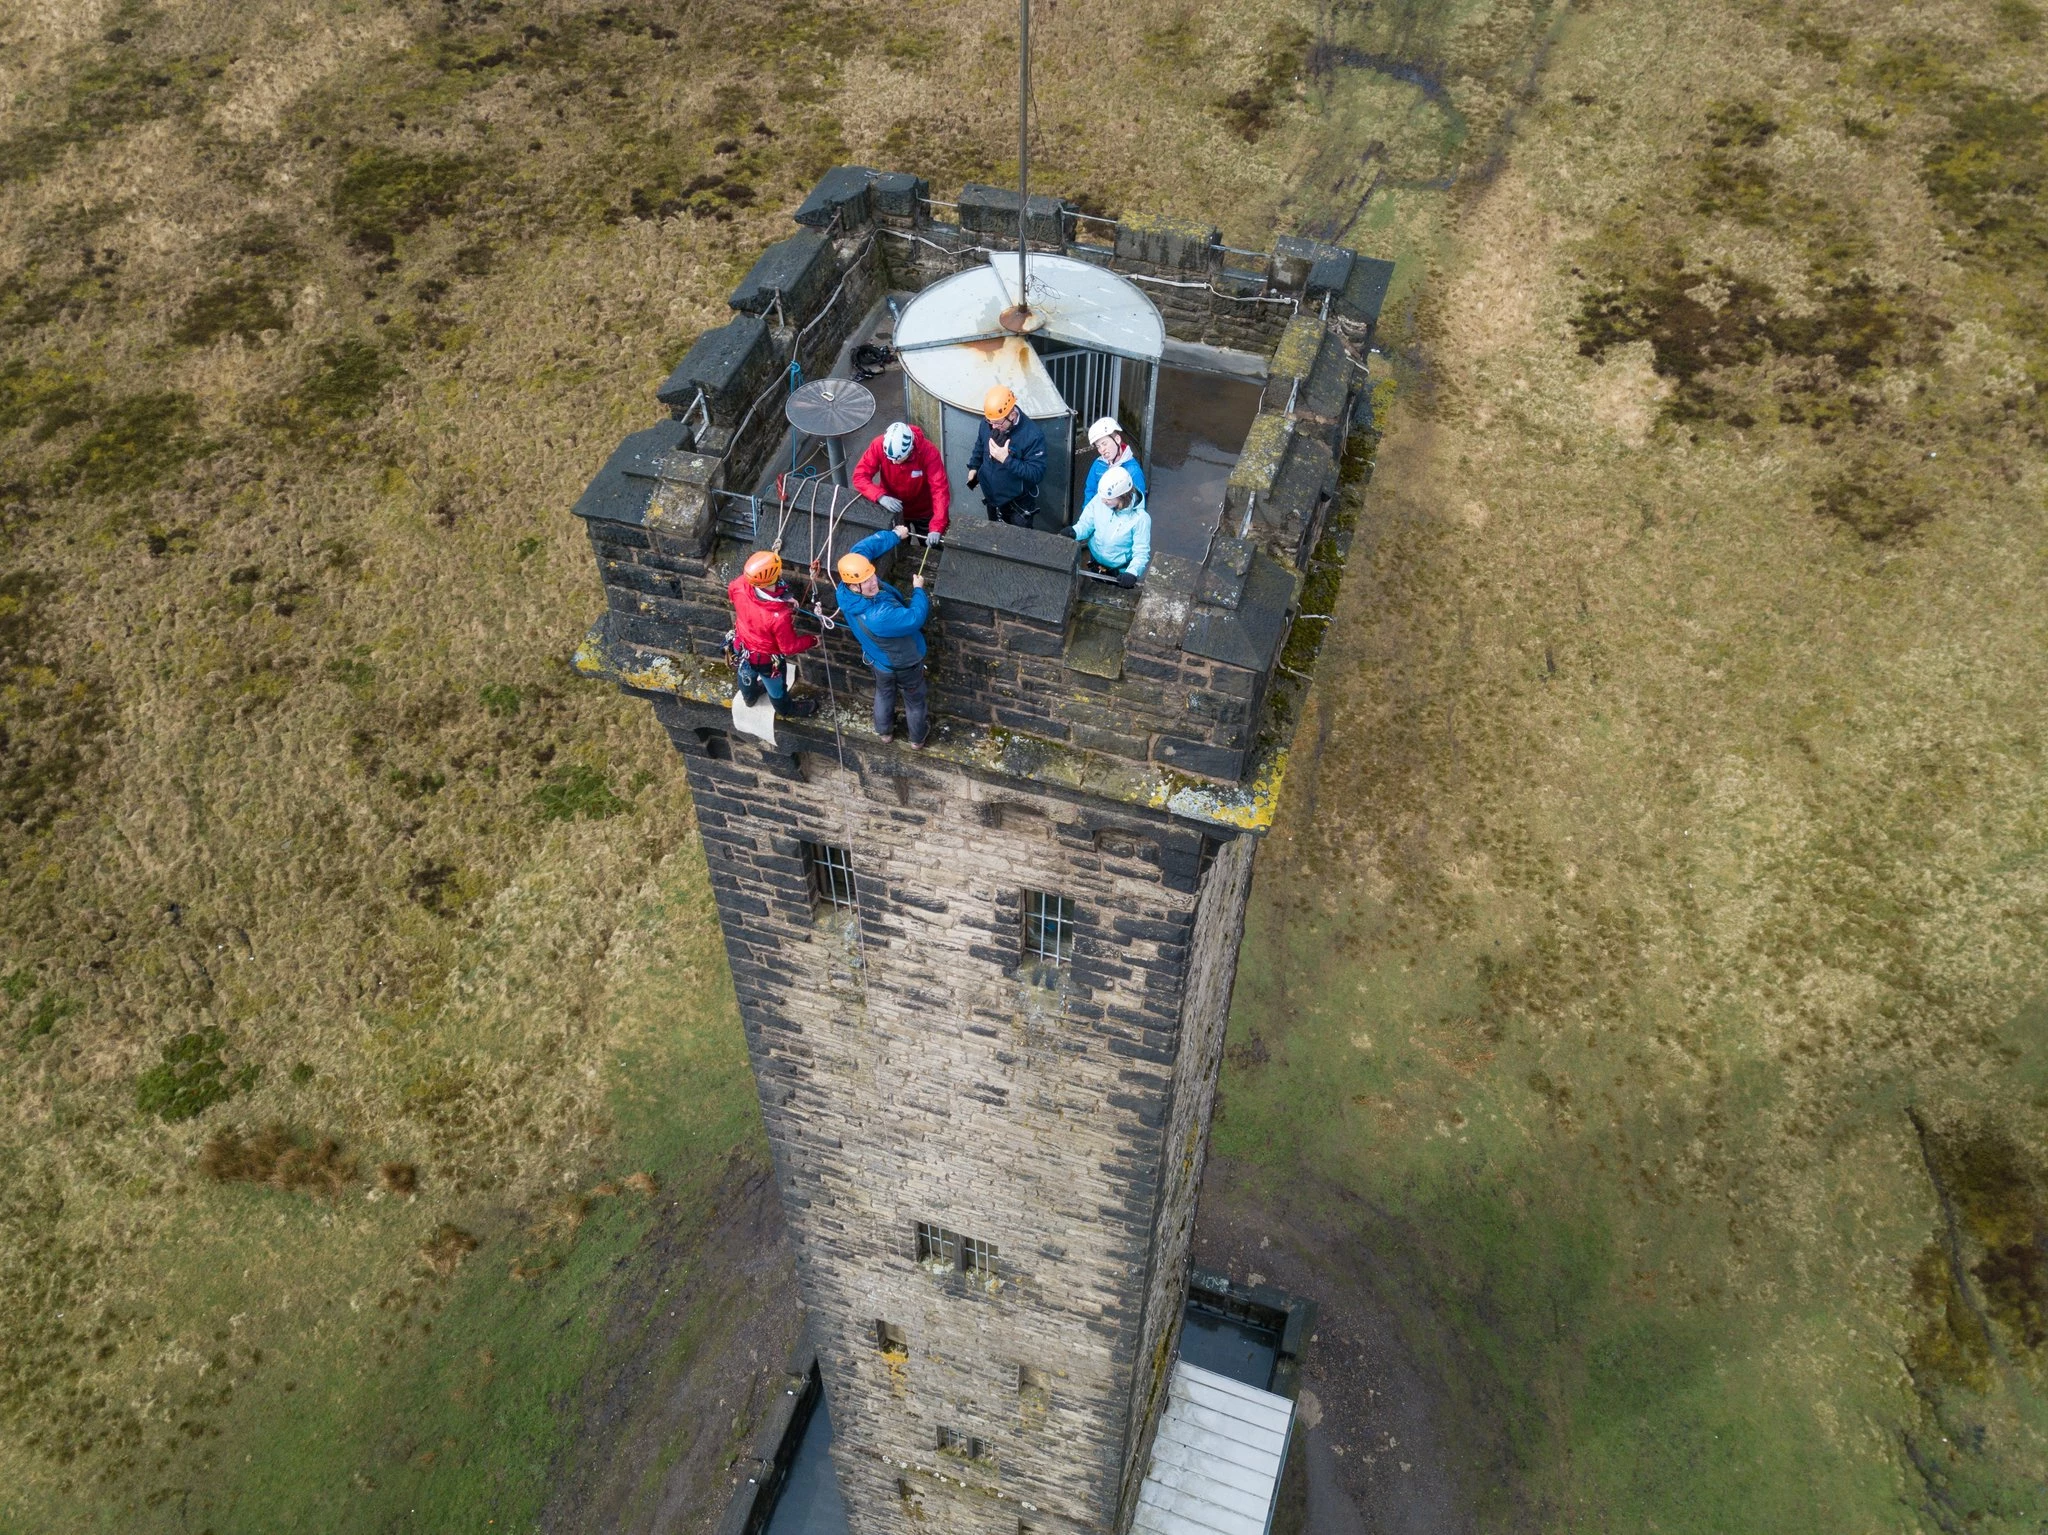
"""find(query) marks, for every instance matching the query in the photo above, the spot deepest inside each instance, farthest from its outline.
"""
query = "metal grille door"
(1090, 382)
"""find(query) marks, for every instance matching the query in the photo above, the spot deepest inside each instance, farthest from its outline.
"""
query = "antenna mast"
(1019, 318)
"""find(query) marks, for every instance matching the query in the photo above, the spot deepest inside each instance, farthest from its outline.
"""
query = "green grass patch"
(192, 1077)
(137, 443)
(423, 1371)
(345, 383)
(578, 791)
(384, 193)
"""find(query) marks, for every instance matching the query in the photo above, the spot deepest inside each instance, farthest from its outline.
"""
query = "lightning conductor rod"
(1019, 318)
(1023, 146)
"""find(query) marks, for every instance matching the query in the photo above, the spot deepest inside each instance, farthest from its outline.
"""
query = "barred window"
(937, 1245)
(953, 1442)
(978, 1258)
(1048, 928)
(831, 874)
(943, 1250)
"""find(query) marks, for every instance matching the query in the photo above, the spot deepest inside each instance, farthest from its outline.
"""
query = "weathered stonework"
(913, 1067)
(1120, 749)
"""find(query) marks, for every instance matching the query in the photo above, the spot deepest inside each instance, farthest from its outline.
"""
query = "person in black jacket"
(1008, 461)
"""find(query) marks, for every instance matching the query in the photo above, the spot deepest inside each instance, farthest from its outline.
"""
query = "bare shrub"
(444, 1251)
(398, 1177)
(280, 1157)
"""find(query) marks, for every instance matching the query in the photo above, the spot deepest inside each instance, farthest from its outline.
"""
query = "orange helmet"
(763, 568)
(998, 402)
(854, 568)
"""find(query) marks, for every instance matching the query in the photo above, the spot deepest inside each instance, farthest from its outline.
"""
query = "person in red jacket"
(764, 630)
(905, 473)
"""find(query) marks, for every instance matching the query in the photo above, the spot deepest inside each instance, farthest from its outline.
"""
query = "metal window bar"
(1048, 928)
(978, 1258)
(1090, 382)
(935, 1244)
(831, 874)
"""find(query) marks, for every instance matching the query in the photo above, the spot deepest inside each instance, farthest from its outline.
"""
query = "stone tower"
(984, 985)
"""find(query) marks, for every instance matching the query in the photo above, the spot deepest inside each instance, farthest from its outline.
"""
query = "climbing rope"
(860, 937)
(782, 509)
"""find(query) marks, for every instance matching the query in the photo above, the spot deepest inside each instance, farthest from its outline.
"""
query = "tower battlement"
(984, 985)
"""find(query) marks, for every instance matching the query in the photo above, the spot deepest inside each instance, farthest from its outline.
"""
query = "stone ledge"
(842, 194)
(1365, 290)
(795, 272)
(991, 212)
(730, 364)
(651, 481)
(989, 752)
(1250, 636)
(1011, 570)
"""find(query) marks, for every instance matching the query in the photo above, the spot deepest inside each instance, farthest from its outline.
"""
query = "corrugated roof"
(1216, 1462)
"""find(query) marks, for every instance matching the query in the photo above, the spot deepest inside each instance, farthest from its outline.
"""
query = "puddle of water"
(1229, 1347)
(1196, 438)
(809, 1501)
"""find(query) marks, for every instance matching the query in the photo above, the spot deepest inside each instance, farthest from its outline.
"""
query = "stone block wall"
(914, 1067)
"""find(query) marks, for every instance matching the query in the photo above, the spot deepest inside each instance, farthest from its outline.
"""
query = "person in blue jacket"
(1112, 451)
(1008, 461)
(890, 631)
(1117, 529)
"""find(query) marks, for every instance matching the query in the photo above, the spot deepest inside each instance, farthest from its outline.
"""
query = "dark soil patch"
(1252, 110)
(240, 306)
(695, 1351)
(1394, 1447)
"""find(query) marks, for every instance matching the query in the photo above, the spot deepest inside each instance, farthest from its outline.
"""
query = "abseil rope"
(860, 937)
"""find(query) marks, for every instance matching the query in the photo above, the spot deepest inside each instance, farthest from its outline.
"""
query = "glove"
(891, 504)
(931, 540)
(1125, 579)
(973, 478)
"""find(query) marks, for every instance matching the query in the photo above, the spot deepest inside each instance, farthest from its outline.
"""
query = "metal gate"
(1090, 382)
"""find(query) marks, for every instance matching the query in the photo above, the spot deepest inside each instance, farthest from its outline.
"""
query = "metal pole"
(1023, 146)
(835, 461)
(1151, 409)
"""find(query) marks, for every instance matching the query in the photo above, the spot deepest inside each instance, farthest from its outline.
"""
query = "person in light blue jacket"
(1112, 451)
(1117, 529)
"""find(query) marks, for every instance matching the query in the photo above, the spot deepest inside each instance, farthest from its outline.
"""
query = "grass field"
(1651, 946)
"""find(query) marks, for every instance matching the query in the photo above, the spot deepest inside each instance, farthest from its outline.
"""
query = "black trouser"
(910, 681)
(1017, 513)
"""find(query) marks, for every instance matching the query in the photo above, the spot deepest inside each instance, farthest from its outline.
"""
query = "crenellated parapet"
(1177, 678)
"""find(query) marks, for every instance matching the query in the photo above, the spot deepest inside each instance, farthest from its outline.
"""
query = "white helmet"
(1116, 484)
(1106, 427)
(896, 442)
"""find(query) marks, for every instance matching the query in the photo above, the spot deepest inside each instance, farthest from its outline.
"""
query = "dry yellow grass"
(1675, 816)
(316, 322)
